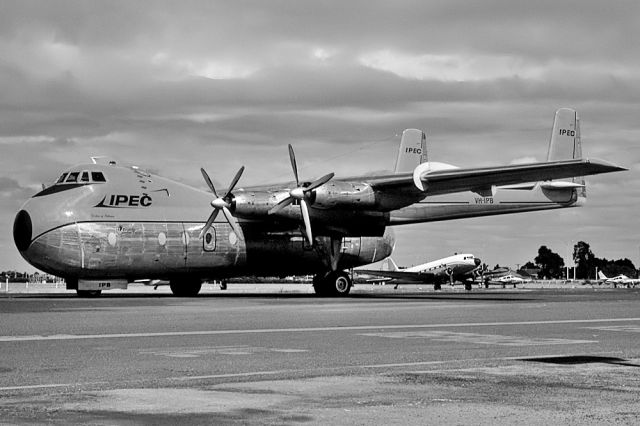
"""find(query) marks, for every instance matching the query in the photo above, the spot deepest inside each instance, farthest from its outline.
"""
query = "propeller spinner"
(221, 203)
(300, 193)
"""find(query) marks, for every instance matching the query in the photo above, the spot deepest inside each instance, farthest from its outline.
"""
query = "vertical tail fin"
(391, 265)
(412, 152)
(565, 142)
(565, 136)
(602, 276)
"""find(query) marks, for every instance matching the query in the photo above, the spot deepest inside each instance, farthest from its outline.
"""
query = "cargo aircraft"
(459, 267)
(101, 226)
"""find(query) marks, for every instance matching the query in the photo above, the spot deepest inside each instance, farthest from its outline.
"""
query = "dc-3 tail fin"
(391, 265)
(602, 276)
(565, 144)
(412, 152)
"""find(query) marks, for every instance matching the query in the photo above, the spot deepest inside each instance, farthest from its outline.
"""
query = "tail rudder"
(412, 151)
(602, 276)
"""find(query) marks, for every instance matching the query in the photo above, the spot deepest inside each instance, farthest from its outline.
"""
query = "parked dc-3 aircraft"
(102, 226)
(458, 267)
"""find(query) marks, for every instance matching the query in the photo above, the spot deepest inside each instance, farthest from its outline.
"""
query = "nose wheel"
(333, 284)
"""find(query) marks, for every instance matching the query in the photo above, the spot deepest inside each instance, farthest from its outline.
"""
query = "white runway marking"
(296, 330)
(216, 350)
(627, 328)
(483, 339)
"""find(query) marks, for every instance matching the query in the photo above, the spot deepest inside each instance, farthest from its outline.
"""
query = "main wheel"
(437, 287)
(341, 283)
(185, 288)
(332, 284)
(467, 286)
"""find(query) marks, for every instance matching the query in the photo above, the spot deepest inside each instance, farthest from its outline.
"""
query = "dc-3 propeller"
(301, 193)
(221, 203)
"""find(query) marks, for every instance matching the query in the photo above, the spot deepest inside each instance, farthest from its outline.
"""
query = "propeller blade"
(234, 181)
(281, 205)
(206, 227)
(209, 183)
(324, 179)
(229, 217)
(307, 221)
(292, 157)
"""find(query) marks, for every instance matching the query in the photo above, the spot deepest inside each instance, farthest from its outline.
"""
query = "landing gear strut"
(336, 283)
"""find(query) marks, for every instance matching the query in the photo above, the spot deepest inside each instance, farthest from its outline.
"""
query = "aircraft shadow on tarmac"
(582, 359)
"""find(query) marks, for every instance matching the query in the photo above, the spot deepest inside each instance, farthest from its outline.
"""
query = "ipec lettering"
(125, 201)
(413, 150)
(566, 132)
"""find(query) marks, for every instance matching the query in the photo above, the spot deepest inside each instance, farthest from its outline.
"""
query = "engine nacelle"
(358, 251)
(253, 204)
(352, 195)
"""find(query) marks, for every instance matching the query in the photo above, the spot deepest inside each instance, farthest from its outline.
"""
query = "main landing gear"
(336, 283)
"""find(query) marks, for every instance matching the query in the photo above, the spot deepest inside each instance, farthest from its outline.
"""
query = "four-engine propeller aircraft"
(102, 226)
(458, 267)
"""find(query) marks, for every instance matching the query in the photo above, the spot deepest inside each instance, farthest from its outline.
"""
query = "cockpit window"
(72, 180)
(73, 177)
(98, 177)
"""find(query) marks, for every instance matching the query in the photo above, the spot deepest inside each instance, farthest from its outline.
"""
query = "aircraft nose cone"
(22, 230)
(477, 261)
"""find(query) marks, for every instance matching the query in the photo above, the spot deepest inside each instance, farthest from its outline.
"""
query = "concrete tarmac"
(279, 355)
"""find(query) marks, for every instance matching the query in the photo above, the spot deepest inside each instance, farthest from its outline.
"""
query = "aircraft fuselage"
(135, 225)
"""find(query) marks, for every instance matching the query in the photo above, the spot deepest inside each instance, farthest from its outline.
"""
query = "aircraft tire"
(467, 286)
(341, 283)
(89, 293)
(185, 288)
(437, 287)
(333, 284)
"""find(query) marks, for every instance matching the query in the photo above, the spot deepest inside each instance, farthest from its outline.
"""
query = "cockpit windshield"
(84, 176)
(74, 179)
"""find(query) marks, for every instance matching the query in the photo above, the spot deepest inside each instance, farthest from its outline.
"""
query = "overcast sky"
(173, 86)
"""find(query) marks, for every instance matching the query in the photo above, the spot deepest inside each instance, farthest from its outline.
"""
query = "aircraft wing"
(426, 277)
(483, 178)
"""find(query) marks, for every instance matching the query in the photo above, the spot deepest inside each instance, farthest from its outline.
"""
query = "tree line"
(552, 265)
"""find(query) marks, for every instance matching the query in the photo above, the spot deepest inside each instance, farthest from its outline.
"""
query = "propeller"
(449, 273)
(221, 203)
(300, 193)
